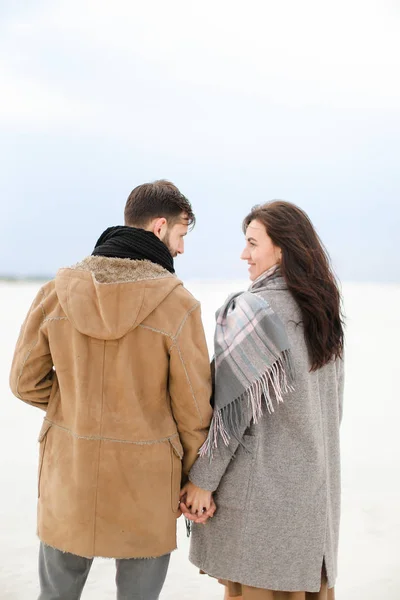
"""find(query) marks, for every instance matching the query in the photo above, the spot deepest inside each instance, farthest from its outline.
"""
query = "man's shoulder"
(48, 299)
(46, 292)
(182, 295)
(173, 311)
(48, 288)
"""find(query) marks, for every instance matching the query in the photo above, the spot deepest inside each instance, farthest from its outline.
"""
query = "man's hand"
(202, 519)
(198, 501)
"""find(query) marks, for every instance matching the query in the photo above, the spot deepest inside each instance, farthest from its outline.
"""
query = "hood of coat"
(105, 298)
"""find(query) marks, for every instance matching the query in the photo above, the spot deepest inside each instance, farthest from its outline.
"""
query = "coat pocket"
(42, 447)
(176, 471)
(235, 487)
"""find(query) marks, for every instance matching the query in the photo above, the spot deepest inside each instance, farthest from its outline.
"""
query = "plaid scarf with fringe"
(252, 361)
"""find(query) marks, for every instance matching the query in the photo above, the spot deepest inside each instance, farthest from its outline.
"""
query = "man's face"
(174, 236)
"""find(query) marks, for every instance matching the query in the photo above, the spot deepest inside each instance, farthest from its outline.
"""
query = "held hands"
(196, 504)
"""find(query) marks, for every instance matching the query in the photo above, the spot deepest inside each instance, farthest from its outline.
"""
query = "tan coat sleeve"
(190, 386)
(32, 365)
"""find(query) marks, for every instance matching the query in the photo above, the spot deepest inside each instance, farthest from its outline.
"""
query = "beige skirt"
(251, 593)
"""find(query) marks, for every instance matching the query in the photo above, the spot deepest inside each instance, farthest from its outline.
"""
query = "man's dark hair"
(158, 199)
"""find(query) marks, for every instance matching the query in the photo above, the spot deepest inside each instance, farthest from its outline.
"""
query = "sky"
(236, 102)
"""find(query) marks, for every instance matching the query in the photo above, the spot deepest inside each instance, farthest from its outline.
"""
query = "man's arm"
(32, 365)
(190, 386)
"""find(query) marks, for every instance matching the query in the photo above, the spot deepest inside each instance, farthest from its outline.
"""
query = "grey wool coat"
(278, 493)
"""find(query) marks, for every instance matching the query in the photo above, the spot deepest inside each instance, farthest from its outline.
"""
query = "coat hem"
(114, 557)
(265, 586)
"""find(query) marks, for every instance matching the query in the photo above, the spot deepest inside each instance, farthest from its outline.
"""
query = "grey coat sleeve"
(207, 474)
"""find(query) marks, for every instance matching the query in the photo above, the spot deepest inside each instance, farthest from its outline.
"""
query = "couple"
(113, 350)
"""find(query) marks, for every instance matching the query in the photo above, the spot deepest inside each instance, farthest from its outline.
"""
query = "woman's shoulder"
(280, 299)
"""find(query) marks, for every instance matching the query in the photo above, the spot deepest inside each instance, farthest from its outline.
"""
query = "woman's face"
(260, 252)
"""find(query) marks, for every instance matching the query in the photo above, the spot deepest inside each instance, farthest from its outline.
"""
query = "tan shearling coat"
(114, 351)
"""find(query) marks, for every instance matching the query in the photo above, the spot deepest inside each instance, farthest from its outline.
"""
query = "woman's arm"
(206, 473)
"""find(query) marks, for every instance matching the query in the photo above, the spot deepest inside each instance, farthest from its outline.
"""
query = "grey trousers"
(63, 575)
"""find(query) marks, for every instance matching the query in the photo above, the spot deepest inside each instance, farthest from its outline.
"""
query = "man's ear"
(159, 227)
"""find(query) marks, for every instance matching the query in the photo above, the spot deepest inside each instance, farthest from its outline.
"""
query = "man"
(114, 351)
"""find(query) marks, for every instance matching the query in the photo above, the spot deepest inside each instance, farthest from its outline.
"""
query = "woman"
(272, 455)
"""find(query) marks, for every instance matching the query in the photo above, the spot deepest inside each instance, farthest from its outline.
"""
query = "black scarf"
(133, 243)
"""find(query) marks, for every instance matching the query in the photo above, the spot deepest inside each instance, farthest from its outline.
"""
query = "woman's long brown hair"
(306, 268)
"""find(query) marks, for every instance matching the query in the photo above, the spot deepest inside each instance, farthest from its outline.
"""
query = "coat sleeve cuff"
(205, 474)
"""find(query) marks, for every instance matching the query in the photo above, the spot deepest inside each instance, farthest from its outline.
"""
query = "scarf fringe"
(228, 421)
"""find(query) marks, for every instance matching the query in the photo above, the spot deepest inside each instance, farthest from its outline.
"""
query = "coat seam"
(185, 318)
(177, 451)
(325, 484)
(169, 335)
(246, 519)
(47, 319)
(157, 330)
(23, 366)
(95, 438)
(68, 304)
(28, 354)
(98, 452)
(176, 345)
(41, 303)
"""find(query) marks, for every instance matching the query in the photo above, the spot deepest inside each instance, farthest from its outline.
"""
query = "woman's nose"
(245, 254)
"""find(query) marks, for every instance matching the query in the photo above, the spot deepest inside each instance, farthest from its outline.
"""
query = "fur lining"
(121, 270)
(106, 557)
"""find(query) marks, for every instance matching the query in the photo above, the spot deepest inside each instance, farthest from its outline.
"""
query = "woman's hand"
(198, 520)
(198, 501)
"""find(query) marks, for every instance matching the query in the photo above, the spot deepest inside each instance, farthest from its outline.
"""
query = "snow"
(369, 564)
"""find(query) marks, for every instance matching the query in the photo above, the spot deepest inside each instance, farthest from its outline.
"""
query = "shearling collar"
(121, 270)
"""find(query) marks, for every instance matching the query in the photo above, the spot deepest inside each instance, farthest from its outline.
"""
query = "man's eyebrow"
(251, 239)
